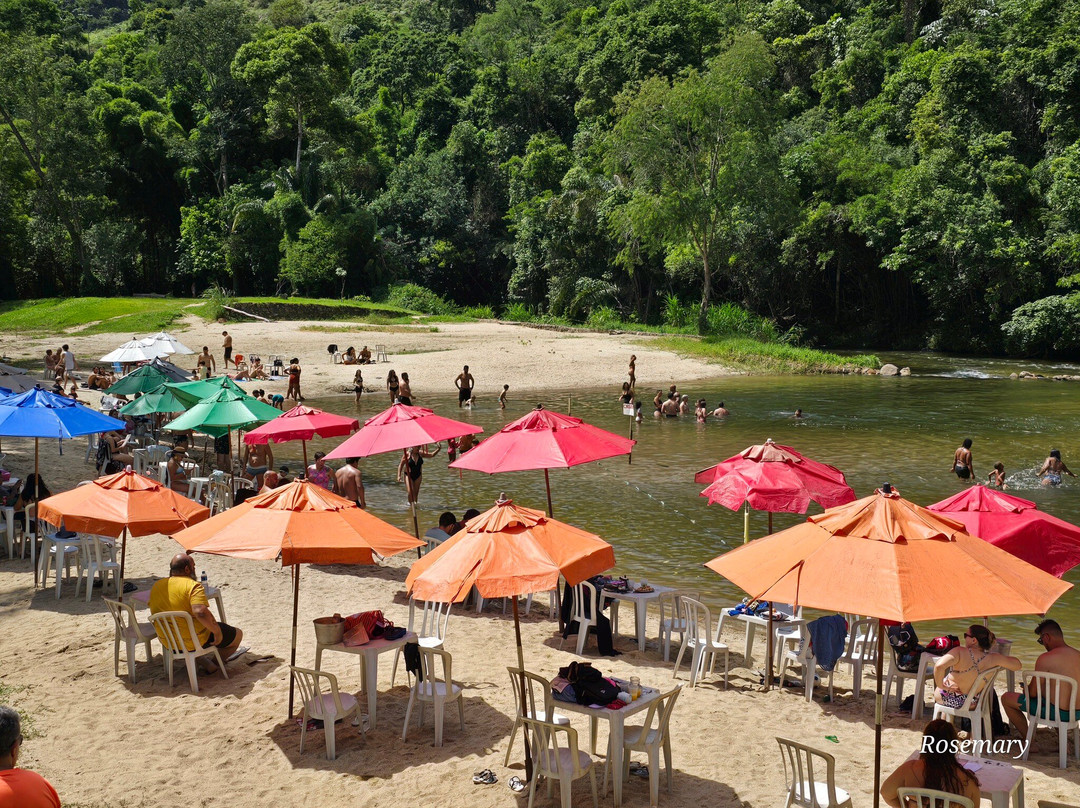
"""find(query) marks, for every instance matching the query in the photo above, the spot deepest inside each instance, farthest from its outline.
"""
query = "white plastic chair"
(434, 689)
(795, 649)
(534, 684)
(581, 614)
(168, 626)
(861, 650)
(920, 677)
(434, 537)
(96, 560)
(802, 767)
(671, 602)
(646, 738)
(131, 632)
(553, 761)
(699, 638)
(220, 497)
(931, 798)
(91, 447)
(380, 354)
(1048, 691)
(326, 707)
(434, 617)
(553, 602)
(976, 706)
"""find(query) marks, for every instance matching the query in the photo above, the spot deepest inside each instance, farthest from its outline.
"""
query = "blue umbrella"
(40, 413)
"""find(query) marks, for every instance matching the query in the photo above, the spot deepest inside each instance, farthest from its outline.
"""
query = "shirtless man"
(720, 411)
(227, 345)
(1059, 657)
(1052, 469)
(207, 359)
(365, 356)
(670, 408)
(258, 459)
(349, 482)
(956, 671)
(464, 383)
(963, 465)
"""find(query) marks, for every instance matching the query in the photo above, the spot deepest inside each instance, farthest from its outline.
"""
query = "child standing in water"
(997, 476)
(502, 396)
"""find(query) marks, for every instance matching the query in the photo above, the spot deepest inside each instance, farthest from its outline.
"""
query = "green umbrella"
(224, 410)
(159, 400)
(194, 392)
(142, 380)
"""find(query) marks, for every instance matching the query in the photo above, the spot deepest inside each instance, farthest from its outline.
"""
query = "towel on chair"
(827, 638)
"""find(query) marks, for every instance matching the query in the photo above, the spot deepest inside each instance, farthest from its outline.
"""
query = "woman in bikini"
(392, 385)
(1053, 468)
(293, 373)
(956, 671)
(358, 385)
(632, 372)
(412, 468)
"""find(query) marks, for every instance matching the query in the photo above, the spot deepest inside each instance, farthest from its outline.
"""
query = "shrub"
(518, 312)
(603, 317)
(216, 300)
(479, 312)
(1046, 327)
(676, 315)
(732, 320)
(414, 297)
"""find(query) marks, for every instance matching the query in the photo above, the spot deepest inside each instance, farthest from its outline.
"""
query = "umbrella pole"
(746, 523)
(569, 404)
(547, 484)
(770, 523)
(37, 492)
(123, 556)
(416, 528)
(877, 717)
(292, 657)
(522, 706)
(303, 443)
(769, 651)
(630, 454)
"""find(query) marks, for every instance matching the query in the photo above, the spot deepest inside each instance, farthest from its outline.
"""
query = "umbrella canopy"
(195, 391)
(771, 477)
(40, 413)
(302, 423)
(825, 563)
(543, 440)
(399, 427)
(128, 500)
(225, 408)
(165, 344)
(17, 382)
(12, 369)
(507, 551)
(141, 380)
(903, 549)
(159, 400)
(174, 373)
(301, 523)
(1016, 526)
(131, 351)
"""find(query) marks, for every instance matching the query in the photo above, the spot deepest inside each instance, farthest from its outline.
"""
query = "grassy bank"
(743, 353)
(95, 315)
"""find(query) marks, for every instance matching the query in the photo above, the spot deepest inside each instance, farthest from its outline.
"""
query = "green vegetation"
(745, 353)
(855, 173)
(95, 315)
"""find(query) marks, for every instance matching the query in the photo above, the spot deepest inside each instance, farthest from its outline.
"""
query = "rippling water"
(900, 430)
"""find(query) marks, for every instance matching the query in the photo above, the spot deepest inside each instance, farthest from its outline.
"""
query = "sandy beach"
(103, 741)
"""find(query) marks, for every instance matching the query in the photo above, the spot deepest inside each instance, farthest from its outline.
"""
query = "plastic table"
(369, 663)
(999, 781)
(641, 604)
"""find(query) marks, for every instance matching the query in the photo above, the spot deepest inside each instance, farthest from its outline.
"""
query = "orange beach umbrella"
(300, 523)
(885, 557)
(121, 504)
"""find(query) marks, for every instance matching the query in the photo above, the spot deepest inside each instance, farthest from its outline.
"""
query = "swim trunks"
(255, 471)
(404, 400)
(962, 471)
(228, 635)
(464, 394)
(228, 353)
(1049, 711)
(1052, 478)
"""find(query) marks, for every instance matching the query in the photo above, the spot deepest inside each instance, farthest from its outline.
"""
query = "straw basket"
(330, 630)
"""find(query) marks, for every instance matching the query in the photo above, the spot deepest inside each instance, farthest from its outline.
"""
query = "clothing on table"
(322, 477)
(827, 638)
(22, 788)
(179, 594)
(605, 643)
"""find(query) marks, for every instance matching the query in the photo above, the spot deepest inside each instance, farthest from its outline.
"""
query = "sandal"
(639, 770)
(485, 778)
(517, 785)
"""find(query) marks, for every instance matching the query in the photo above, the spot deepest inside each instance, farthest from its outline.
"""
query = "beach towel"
(827, 638)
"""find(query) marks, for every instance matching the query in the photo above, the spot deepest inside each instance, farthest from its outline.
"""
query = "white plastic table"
(641, 605)
(9, 528)
(212, 593)
(616, 720)
(752, 622)
(999, 781)
(369, 663)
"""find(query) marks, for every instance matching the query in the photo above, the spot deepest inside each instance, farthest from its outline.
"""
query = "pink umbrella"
(303, 424)
(543, 440)
(399, 427)
(1016, 526)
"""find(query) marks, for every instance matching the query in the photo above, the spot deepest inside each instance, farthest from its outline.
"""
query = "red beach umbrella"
(303, 424)
(1016, 526)
(399, 427)
(543, 440)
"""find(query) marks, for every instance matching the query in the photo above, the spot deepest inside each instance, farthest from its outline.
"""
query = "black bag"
(590, 686)
(113, 466)
(103, 456)
(905, 643)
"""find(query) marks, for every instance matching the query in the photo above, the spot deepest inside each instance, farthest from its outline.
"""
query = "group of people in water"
(1051, 473)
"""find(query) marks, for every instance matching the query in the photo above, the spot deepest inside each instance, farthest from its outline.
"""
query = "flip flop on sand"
(639, 770)
(239, 652)
(485, 778)
(517, 785)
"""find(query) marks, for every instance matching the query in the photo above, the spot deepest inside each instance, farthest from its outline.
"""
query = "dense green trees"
(861, 172)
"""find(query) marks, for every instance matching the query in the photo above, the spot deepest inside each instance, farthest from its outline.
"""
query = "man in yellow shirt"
(182, 592)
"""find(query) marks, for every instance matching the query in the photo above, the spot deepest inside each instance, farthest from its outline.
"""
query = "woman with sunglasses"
(955, 672)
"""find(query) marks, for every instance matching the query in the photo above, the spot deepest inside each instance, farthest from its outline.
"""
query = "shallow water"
(900, 430)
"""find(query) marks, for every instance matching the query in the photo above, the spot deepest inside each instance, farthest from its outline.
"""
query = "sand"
(103, 741)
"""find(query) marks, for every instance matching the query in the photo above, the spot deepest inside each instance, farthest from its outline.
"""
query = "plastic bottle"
(203, 580)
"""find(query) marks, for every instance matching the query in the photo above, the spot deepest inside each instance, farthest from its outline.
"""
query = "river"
(898, 430)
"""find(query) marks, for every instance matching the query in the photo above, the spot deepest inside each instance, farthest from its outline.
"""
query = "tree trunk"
(299, 137)
(706, 296)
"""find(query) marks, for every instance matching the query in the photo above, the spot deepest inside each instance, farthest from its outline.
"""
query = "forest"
(879, 173)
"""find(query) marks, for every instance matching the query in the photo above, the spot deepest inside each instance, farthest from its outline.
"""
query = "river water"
(897, 430)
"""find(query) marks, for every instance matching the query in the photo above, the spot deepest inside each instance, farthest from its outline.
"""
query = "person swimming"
(1053, 468)
(963, 463)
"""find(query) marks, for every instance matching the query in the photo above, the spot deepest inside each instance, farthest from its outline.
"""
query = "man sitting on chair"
(182, 592)
(1059, 657)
